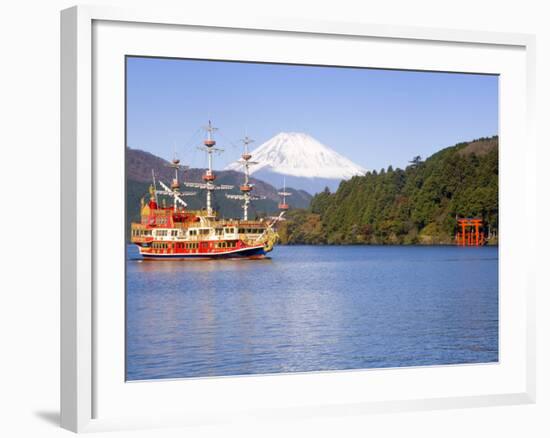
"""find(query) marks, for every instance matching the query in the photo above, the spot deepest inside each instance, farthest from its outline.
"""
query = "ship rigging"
(175, 232)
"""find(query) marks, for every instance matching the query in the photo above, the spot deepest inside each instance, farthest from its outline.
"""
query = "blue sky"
(373, 117)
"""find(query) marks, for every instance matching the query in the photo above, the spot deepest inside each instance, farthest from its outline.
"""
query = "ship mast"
(209, 177)
(175, 185)
(246, 188)
(174, 189)
(283, 206)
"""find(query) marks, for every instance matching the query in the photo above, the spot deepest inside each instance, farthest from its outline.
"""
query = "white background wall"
(29, 171)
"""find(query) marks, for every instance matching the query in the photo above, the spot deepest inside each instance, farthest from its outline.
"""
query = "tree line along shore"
(417, 205)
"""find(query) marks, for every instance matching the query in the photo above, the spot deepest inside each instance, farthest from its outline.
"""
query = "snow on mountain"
(299, 155)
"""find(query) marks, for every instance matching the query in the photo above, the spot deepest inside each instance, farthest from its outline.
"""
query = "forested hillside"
(417, 205)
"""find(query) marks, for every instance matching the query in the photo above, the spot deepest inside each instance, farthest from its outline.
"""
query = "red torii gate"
(470, 232)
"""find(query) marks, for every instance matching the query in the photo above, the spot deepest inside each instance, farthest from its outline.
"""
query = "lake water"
(312, 308)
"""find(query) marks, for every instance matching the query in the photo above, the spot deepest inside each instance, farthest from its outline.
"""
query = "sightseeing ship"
(173, 232)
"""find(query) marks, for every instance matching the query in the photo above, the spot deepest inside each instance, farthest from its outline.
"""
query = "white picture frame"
(85, 378)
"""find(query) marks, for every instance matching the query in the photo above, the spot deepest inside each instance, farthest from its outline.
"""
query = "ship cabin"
(161, 225)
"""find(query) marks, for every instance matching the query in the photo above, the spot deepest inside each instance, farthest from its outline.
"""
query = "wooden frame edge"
(76, 236)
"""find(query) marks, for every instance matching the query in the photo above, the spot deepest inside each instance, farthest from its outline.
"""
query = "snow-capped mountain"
(305, 162)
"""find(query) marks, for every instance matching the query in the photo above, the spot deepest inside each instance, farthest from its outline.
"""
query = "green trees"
(416, 205)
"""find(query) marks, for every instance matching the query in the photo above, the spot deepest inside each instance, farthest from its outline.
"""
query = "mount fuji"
(302, 161)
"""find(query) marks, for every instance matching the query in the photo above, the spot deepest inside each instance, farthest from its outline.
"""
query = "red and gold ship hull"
(168, 234)
(201, 250)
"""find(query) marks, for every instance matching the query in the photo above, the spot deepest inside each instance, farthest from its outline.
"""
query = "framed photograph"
(287, 218)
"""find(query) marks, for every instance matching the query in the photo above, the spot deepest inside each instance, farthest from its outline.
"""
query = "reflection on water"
(312, 308)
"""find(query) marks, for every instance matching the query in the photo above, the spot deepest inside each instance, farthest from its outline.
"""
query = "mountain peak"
(298, 154)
